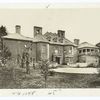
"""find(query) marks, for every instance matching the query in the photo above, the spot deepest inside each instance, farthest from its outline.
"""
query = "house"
(52, 46)
(18, 44)
(88, 53)
(61, 50)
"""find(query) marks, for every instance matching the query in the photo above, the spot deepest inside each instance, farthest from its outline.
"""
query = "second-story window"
(88, 50)
(92, 50)
(43, 49)
(80, 51)
(55, 39)
(84, 50)
(70, 50)
(49, 38)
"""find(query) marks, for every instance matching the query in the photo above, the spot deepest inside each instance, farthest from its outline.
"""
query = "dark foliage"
(5, 54)
(3, 31)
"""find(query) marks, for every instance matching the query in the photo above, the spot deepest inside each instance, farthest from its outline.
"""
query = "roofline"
(62, 44)
(98, 44)
(88, 47)
(16, 39)
(40, 42)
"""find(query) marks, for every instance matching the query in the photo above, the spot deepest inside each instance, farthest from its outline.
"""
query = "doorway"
(58, 60)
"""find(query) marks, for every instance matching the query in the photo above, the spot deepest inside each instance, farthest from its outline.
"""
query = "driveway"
(77, 70)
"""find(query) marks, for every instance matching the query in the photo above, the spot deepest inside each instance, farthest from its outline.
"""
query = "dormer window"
(55, 39)
(48, 38)
(61, 40)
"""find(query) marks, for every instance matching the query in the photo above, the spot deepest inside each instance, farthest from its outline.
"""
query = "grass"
(18, 79)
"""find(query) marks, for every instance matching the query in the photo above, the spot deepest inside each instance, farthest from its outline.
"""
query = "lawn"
(18, 79)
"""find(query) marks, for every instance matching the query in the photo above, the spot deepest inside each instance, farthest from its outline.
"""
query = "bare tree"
(44, 70)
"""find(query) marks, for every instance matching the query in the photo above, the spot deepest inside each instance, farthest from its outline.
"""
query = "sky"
(79, 23)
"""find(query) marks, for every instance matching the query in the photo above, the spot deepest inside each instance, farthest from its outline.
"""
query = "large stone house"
(52, 46)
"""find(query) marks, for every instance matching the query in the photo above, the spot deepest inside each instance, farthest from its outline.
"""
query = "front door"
(58, 60)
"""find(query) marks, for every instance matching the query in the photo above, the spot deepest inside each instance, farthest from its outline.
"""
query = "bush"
(44, 63)
(91, 65)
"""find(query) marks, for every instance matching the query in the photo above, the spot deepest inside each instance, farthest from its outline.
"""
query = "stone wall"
(41, 51)
(89, 59)
(17, 47)
(59, 48)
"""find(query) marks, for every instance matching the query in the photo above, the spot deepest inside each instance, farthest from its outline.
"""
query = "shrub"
(44, 63)
(91, 65)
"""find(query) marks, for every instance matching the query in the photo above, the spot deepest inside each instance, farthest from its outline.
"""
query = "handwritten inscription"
(36, 92)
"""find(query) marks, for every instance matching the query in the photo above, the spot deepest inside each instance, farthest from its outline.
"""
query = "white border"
(13, 4)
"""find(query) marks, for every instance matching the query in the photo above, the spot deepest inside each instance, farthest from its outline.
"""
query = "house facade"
(52, 46)
(61, 50)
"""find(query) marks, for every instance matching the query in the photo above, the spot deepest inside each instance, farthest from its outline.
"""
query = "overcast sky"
(81, 23)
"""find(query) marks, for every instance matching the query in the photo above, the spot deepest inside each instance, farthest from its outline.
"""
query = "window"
(49, 38)
(88, 50)
(80, 51)
(61, 40)
(70, 50)
(92, 50)
(96, 50)
(55, 39)
(84, 50)
(56, 51)
(43, 49)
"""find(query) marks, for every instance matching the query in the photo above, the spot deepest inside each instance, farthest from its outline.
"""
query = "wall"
(75, 56)
(41, 51)
(52, 48)
(70, 53)
(89, 59)
(18, 47)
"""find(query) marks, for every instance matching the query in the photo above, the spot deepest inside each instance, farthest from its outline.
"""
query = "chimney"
(37, 30)
(18, 29)
(61, 33)
(76, 41)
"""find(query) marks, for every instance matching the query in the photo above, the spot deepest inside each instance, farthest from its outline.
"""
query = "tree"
(5, 54)
(44, 65)
(27, 64)
(3, 31)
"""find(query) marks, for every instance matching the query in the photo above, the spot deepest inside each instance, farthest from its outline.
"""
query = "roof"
(50, 34)
(17, 36)
(40, 38)
(53, 35)
(86, 45)
(68, 42)
(98, 44)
